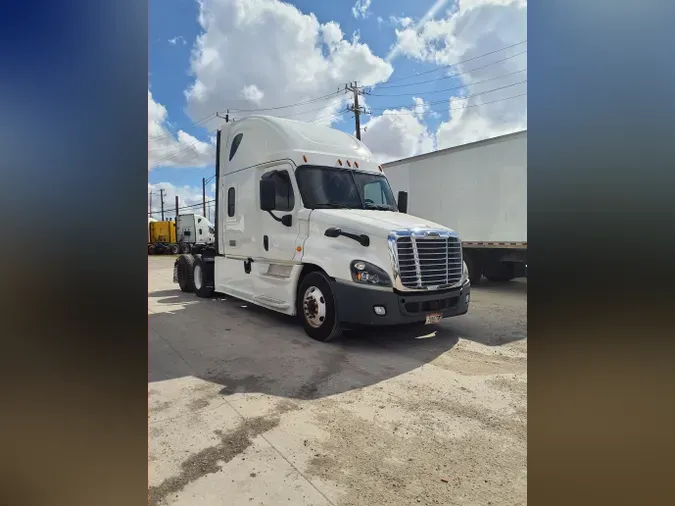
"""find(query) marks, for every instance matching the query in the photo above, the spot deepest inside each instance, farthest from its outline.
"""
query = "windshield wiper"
(332, 205)
(379, 207)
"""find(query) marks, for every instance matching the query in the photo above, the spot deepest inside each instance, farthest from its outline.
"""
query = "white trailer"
(193, 230)
(481, 189)
(307, 225)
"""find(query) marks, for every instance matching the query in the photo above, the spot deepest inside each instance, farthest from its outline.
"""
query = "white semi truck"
(307, 225)
(481, 189)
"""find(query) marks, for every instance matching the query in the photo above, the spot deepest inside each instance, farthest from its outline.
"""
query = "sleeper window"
(235, 144)
(230, 202)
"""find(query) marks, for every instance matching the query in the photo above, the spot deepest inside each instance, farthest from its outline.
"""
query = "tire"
(151, 249)
(475, 268)
(314, 288)
(185, 270)
(184, 248)
(173, 249)
(503, 271)
(202, 277)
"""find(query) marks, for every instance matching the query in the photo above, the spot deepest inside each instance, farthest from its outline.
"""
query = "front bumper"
(355, 304)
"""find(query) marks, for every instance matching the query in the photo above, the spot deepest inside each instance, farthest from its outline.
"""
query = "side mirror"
(267, 195)
(403, 202)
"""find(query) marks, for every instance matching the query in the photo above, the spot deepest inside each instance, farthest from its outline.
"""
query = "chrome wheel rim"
(198, 277)
(314, 307)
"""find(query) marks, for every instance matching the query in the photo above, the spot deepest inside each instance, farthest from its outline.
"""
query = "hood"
(371, 221)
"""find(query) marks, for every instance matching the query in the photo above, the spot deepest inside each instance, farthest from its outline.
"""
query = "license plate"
(175, 274)
(434, 318)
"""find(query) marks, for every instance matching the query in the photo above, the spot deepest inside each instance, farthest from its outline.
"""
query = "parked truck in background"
(307, 225)
(189, 232)
(481, 189)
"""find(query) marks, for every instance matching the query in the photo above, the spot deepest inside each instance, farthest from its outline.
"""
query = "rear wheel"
(475, 267)
(316, 307)
(184, 248)
(202, 276)
(151, 249)
(502, 271)
(185, 264)
(173, 249)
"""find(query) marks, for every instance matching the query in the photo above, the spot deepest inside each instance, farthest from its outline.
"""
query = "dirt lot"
(246, 409)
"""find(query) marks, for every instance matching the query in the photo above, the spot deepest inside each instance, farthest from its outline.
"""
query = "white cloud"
(420, 108)
(360, 9)
(396, 134)
(165, 149)
(288, 56)
(403, 22)
(252, 93)
(472, 29)
(178, 39)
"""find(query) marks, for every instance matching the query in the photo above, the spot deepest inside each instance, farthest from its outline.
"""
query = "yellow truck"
(162, 237)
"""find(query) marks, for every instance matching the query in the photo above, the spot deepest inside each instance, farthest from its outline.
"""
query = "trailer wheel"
(316, 307)
(202, 277)
(151, 249)
(173, 249)
(184, 264)
(184, 248)
(503, 271)
(475, 267)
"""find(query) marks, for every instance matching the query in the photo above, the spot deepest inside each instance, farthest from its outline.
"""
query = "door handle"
(266, 243)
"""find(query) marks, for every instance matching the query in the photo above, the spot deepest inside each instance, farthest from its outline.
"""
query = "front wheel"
(316, 306)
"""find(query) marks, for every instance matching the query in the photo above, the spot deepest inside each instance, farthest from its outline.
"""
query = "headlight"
(364, 272)
(465, 271)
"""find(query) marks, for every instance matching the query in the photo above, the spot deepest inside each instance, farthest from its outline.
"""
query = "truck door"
(277, 241)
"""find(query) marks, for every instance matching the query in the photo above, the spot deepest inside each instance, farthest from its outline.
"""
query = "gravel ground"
(244, 408)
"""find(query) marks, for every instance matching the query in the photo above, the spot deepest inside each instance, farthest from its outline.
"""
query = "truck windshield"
(333, 188)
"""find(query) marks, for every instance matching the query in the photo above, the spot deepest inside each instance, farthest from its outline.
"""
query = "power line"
(191, 206)
(310, 101)
(196, 123)
(407, 110)
(445, 89)
(467, 96)
(454, 64)
(451, 75)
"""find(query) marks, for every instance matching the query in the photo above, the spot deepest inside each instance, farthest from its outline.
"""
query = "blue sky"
(459, 30)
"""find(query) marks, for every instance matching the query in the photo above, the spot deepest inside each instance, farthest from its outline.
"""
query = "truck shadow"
(245, 348)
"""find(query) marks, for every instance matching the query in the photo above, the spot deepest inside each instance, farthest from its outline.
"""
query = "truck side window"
(230, 201)
(235, 144)
(375, 193)
(285, 200)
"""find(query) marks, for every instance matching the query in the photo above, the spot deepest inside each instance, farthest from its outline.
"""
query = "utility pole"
(161, 197)
(150, 205)
(355, 107)
(176, 208)
(204, 196)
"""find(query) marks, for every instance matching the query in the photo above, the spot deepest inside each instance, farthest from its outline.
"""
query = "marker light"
(304, 157)
(349, 163)
(356, 164)
(340, 162)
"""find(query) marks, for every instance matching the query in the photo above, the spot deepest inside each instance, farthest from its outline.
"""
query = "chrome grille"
(429, 261)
